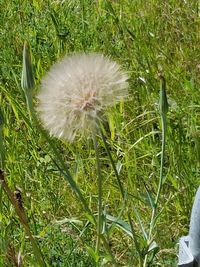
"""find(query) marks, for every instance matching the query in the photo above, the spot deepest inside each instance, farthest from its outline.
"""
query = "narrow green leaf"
(137, 244)
(92, 253)
(27, 80)
(141, 225)
(163, 96)
(150, 199)
(121, 224)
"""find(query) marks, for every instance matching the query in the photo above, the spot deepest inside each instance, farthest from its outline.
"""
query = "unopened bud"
(27, 81)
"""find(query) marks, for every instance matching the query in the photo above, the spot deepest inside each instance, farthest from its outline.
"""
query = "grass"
(146, 38)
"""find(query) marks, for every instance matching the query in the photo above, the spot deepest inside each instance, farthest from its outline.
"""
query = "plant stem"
(163, 110)
(29, 102)
(99, 183)
(113, 164)
(161, 178)
(100, 237)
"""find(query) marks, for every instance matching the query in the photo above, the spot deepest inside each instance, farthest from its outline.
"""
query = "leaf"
(92, 253)
(121, 224)
(163, 96)
(137, 244)
(141, 225)
(153, 246)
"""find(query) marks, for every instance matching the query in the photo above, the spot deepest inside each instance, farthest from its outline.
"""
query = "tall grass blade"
(27, 79)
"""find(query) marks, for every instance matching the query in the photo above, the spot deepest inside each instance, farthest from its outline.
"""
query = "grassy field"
(146, 38)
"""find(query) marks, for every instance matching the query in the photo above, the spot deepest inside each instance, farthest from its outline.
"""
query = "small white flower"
(76, 90)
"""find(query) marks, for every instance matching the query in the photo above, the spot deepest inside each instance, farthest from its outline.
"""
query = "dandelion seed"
(76, 91)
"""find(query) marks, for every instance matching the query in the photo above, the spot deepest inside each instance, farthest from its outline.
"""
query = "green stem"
(163, 109)
(161, 178)
(29, 102)
(113, 164)
(99, 182)
(100, 208)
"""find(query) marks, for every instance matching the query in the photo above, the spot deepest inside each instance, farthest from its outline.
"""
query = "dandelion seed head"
(76, 90)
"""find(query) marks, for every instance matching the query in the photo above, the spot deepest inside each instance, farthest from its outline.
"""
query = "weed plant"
(142, 226)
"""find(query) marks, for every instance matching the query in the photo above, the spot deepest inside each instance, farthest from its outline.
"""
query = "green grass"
(146, 38)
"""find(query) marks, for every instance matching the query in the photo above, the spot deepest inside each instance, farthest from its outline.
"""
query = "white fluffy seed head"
(76, 90)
